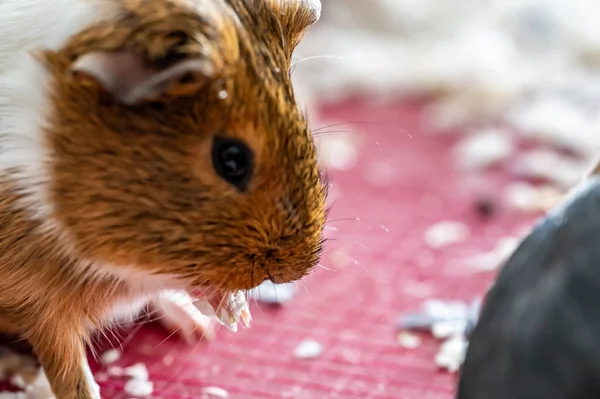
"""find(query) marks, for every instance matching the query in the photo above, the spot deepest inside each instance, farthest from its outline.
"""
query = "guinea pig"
(147, 147)
(537, 335)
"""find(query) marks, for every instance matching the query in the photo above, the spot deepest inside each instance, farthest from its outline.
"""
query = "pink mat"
(380, 268)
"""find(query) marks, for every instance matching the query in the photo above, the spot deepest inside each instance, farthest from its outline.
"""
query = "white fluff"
(110, 356)
(551, 166)
(139, 388)
(532, 64)
(484, 148)
(452, 353)
(308, 349)
(445, 233)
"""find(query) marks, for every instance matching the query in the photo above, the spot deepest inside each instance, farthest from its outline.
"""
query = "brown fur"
(45, 299)
(135, 185)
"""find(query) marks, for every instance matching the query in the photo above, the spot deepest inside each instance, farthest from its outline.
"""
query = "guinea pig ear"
(296, 16)
(131, 81)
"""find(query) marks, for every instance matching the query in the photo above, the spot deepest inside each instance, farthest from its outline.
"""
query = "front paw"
(175, 310)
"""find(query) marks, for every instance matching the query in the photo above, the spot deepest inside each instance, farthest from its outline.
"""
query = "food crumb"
(525, 197)
(139, 387)
(273, 294)
(445, 329)
(550, 166)
(446, 233)
(408, 340)
(110, 356)
(484, 149)
(214, 392)
(497, 256)
(137, 372)
(452, 353)
(308, 349)
(450, 322)
(416, 321)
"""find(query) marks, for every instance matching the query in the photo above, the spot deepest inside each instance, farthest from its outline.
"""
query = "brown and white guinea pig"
(147, 146)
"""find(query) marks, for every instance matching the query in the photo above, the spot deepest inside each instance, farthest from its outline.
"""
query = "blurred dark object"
(538, 335)
(485, 206)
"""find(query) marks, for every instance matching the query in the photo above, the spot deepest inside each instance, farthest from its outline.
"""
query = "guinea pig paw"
(175, 310)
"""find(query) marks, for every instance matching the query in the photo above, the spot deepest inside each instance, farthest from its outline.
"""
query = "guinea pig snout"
(266, 260)
(280, 265)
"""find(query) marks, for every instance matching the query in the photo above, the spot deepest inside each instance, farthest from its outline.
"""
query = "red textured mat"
(380, 268)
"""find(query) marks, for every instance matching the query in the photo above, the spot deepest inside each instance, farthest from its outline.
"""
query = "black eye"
(233, 161)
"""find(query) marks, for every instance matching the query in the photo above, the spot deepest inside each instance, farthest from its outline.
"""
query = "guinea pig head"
(177, 147)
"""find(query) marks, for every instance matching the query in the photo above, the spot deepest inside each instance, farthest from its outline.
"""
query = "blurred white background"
(531, 66)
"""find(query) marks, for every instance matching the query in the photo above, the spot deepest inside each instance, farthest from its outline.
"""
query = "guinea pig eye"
(233, 161)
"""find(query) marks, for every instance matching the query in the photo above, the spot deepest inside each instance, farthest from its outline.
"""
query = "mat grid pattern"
(377, 268)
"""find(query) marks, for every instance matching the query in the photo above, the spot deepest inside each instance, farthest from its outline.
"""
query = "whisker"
(154, 319)
(351, 259)
(326, 268)
(256, 301)
(327, 132)
(183, 364)
(115, 336)
(305, 285)
(382, 227)
(341, 124)
(103, 332)
(359, 244)
(316, 57)
(175, 331)
(131, 334)
(94, 351)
